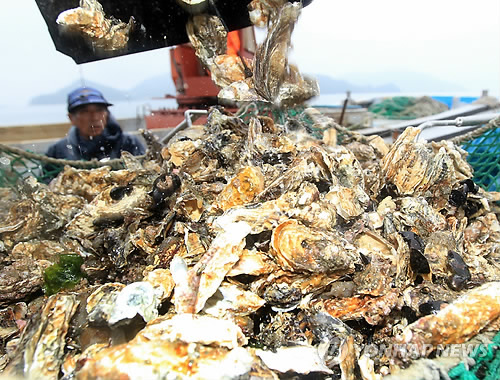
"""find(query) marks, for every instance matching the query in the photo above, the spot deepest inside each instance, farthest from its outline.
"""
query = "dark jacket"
(107, 145)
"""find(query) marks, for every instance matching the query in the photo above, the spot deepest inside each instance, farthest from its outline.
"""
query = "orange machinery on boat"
(194, 86)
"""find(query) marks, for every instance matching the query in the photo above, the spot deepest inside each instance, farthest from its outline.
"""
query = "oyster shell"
(300, 359)
(101, 302)
(274, 79)
(253, 263)
(22, 278)
(241, 189)
(259, 10)
(419, 215)
(108, 218)
(89, 183)
(415, 169)
(372, 309)
(232, 300)
(299, 248)
(187, 346)
(457, 322)
(202, 281)
(38, 212)
(248, 241)
(89, 20)
(208, 36)
(162, 282)
(137, 298)
(41, 349)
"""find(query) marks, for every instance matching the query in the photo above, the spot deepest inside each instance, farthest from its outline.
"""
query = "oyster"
(186, 346)
(104, 221)
(202, 281)
(372, 309)
(264, 238)
(101, 302)
(241, 189)
(12, 321)
(419, 215)
(41, 349)
(260, 10)
(230, 300)
(287, 291)
(38, 212)
(274, 79)
(22, 278)
(208, 36)
(136, 298)
(89, 183)
(415, 169)
(253, 263)
(301, 359)
(299, 248)
(162, 282)
(89, 21)
(457, 322)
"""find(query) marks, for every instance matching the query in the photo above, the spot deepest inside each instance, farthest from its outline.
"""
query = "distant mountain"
(154, 87)
(328, 85)
(160, 85)
(407, 81)
(60, 96)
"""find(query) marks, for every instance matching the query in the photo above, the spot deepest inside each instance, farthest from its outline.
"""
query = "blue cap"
(85, 95)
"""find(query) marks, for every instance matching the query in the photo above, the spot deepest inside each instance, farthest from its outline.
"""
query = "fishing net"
(407, 108)
(13, 167)
(483, 148)
(484, 156)
(486, 359)
(17, 164)
(393, 107)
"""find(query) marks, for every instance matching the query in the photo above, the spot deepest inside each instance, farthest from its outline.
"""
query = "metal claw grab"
(129, 26)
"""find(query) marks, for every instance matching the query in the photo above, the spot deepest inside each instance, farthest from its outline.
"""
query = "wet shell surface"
(270, 243)
(299, 248)
(241, 189)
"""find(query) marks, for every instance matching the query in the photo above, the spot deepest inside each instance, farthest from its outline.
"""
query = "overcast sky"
(453, 40)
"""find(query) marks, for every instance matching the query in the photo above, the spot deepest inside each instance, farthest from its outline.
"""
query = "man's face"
(90, 119)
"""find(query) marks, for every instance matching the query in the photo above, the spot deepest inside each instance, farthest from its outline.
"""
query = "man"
(95, 134)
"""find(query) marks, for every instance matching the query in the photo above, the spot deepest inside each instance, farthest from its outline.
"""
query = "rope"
(115, 163)
(494, 123)
(350, 133)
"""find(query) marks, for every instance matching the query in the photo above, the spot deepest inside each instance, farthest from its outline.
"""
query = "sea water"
(136, 109)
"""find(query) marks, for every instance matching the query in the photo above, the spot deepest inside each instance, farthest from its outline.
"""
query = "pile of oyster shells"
(245, 248)
(250, 249)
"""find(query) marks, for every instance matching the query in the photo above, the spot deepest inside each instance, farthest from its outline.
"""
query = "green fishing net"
(486, 363)
(484, 157)
(14, 167)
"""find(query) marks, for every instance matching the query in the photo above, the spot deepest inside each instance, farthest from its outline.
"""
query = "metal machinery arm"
(158, 23)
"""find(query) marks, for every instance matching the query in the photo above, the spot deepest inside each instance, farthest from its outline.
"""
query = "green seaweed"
(63, 275)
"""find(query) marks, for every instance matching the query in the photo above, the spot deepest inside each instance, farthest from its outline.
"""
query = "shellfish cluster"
(244, 246)
(248, 248)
